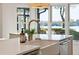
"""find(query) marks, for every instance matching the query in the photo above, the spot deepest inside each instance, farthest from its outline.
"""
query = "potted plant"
(30, 33)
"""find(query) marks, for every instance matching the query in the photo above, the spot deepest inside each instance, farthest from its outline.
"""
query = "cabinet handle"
(63, 43)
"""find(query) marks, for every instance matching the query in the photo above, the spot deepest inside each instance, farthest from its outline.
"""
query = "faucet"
(29, 37)
(37, 21)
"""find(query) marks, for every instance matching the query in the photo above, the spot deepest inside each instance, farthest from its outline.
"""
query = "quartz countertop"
(14, 47)
(42, 43)
(52, 37)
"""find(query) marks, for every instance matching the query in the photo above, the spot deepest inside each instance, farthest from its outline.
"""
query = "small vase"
(29, 37)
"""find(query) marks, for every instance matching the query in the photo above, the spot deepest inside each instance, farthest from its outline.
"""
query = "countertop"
(42, 43)
(57, 37)
(52, 37)
(14, 47)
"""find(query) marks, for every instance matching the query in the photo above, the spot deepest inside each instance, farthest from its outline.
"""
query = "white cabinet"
(50, 50)
(66, 47)
(63, 48)
(70, 46)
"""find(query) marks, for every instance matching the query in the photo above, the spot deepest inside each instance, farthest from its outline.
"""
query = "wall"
(9, 17)
(0, 20)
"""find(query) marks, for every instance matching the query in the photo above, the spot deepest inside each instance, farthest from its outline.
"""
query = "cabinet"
(50, 50)
(70, 46)
(66, 47)
(63, 48)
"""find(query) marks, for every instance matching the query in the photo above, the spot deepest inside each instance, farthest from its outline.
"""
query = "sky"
(74, 14)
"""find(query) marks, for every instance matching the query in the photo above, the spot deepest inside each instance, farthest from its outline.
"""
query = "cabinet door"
(50, 50)
(70, 46)
(67, 47)
(64, 48)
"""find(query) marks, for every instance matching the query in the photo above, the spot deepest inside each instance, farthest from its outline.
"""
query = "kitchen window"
(58, 19)
(43, 17)
(74, 17)
(22, 18)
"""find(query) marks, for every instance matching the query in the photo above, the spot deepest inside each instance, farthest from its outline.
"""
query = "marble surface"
(14, 47)
(51, 37)
(42, 43)
(47, 37)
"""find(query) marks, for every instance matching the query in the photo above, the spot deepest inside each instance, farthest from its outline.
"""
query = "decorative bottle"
(22, 37)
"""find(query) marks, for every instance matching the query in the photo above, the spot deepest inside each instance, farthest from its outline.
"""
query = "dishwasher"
(63, 47)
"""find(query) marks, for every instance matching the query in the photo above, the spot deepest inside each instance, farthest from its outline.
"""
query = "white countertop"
(46, 37)
(42, 43)
(13, 47)
(52, 37)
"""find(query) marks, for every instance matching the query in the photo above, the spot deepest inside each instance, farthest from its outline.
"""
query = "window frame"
(24, 16)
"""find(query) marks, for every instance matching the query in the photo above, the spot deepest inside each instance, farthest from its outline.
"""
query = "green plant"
(42, 31)
(30, 32)
(58, 30)
(75, 34)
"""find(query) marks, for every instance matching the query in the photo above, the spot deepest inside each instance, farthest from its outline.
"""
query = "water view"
(76, 28)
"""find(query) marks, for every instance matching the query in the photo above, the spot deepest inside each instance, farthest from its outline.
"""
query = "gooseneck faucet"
(37, 21)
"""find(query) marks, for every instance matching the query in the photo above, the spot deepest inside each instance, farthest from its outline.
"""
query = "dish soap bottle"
(22, 37)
